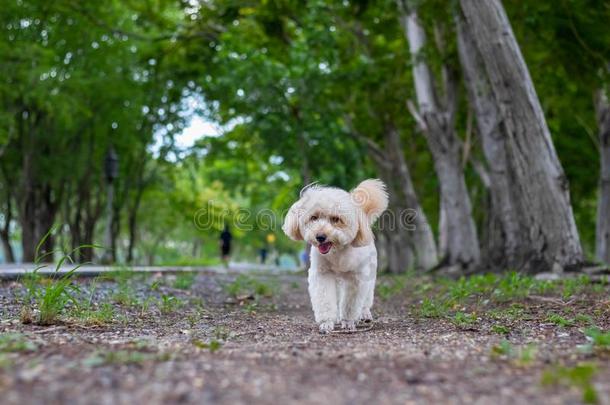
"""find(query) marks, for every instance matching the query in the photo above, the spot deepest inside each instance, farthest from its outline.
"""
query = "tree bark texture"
(5, 236)
(411, 221)
(458, 240)
(505, 244)
(539, 184)
(408, 237)
(602, 234)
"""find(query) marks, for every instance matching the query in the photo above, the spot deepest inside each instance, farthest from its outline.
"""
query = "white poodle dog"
(343, 255)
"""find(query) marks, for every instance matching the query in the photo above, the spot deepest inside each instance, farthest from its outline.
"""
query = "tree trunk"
(132, 222)
(408, 237)
(37, 218)
(45, 220)
(602, 235)
(196, 247)
(306, 177)
(5, 236)
(27, 205)
(152, 253)
(540, 186)
(458, 241)
(87, 206)
(414, 222)
(75, 231)
(28, 232)
(504, 222)
(397, 245)
(7, 249)
(398, 256)
(114, 233)
(36, 200)
(86, 254)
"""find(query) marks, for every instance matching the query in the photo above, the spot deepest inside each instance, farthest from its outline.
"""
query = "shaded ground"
(213, 338)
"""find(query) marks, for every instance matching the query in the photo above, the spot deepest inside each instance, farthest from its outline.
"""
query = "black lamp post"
(111, 171)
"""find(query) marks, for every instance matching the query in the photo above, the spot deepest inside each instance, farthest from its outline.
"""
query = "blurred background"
(145, 126)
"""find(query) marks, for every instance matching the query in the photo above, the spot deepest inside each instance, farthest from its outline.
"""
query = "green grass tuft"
(580, 376)
(185, 280)
(15, 343)
(50, 296)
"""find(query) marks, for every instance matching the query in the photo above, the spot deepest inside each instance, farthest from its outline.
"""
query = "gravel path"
(219, 342)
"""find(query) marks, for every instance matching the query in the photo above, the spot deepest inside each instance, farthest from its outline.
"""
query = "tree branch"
(376, 152)
(210, 36)
(421, 123)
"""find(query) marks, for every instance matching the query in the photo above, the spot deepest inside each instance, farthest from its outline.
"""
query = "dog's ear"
(372, 198)
(291, 223)
(364, 235)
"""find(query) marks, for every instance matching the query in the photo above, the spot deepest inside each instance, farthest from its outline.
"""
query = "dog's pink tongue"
(324, 248)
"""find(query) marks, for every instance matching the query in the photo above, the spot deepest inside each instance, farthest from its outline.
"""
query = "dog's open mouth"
(324, 248)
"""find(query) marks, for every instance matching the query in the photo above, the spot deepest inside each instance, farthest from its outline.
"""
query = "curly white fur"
(343, 255)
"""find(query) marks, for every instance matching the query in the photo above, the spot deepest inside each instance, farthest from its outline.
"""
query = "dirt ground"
(253, 340)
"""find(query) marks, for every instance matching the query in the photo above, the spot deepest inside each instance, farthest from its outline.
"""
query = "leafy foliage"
(288, 87)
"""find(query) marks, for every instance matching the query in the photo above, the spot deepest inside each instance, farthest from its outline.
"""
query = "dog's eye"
(313, 218)
(335, 220)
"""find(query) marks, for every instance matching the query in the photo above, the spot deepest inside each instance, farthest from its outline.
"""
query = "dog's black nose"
(320, 237)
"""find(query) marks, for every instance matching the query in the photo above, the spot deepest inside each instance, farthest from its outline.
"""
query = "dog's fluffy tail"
(372, 197)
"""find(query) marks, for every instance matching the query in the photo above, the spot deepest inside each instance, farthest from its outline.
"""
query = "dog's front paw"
(348, 325)
(327, 327)
(366, 316)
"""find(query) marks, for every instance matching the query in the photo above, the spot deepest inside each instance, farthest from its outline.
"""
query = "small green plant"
(125, 294)
(263, 289)
(519, 355)
(51, 296)
(433, 309)
(600, 340)
(544, 286)
(184, 281)
(504, 348)
(145, 305)
(140, 344)
(221, 333)
(580, 376)
(124, 357)
(526, 355)
(192, 318)
(239, 286)
(250, 307)
(583, 319)
(91, 314)
(388, 287)
(213, 345)
(467, 287)
(560, 320)
(574, 286)
(463, 320)
(101, 315)
(513, 285)
(6, 362)
(16, 342)
(500, 329)
(248, 286)
(169, 304)
(512, 313)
